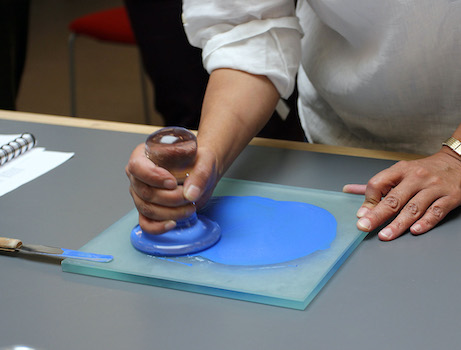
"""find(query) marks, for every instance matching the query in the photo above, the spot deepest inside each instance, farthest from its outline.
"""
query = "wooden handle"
(9, 244)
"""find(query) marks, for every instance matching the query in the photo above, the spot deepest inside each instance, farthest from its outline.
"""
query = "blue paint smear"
(259, 231)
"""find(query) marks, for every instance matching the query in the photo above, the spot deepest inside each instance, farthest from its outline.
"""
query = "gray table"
(397, 295)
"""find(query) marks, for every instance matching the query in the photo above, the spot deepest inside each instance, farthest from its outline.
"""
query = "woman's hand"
(236, 106)
(415, 195)
(157, 196)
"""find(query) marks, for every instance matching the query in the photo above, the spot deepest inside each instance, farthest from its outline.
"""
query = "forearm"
(236, 106)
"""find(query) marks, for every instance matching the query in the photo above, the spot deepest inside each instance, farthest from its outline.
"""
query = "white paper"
(28, 166)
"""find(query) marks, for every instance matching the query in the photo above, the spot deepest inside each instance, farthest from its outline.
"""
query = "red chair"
(111, 25)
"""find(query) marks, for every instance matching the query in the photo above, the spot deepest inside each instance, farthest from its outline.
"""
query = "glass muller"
(175, 149)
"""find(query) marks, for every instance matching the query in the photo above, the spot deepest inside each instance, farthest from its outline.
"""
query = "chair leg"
(72, 88)
(145, 101)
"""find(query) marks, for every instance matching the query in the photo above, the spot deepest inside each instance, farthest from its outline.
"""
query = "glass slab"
(291, 284)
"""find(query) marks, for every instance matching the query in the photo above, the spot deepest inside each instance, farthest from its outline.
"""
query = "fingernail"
(170, 225)
(362, 211)
(386, 233)
(364, 224)
(416, 228)
(192, 193)
(169, 184)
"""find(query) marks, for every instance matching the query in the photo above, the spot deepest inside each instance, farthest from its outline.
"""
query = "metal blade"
(41, 249)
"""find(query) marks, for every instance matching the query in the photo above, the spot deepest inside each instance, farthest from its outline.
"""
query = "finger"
(201, 177)
(155, 227)
(169, 198)
(377, 187)
(158, 212)
(380, 185)
(410, 213)
(141, 168)
(360, 190)
(354, 188)
(387, 208)
(433, 215)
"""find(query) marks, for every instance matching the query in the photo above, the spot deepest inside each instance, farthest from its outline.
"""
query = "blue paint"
(189, 237)
(75, 254)
(257, 231)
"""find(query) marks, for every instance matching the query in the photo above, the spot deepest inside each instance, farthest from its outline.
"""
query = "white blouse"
(374, 74)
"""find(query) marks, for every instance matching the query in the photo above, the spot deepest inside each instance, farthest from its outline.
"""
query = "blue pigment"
(259, 231)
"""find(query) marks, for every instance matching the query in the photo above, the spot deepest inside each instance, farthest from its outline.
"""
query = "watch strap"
(454, 144)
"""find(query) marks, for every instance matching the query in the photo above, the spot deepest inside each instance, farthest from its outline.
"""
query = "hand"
(157, 196)
(415, 195)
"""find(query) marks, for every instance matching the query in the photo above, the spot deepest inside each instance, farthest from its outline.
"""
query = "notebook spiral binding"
(17, 147)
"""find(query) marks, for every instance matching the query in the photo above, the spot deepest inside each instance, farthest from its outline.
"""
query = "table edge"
(147, 129)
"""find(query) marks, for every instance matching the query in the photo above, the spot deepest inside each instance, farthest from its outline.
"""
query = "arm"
(236, 106)
(416, 195)
(233, 36)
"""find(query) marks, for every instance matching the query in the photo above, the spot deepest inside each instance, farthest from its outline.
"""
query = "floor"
(108, 75)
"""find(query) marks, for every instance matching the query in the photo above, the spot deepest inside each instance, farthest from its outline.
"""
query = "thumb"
(202, 178)
(354, 188)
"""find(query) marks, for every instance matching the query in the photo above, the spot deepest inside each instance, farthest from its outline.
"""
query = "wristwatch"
(454, 144)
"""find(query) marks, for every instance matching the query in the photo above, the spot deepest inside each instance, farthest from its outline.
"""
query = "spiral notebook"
(15, 145)
(21, 161)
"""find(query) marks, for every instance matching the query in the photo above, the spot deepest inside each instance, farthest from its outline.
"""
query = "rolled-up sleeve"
(256, 36)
